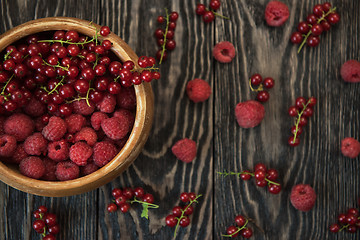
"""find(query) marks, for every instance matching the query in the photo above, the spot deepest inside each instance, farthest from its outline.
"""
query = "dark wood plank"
(317, 160)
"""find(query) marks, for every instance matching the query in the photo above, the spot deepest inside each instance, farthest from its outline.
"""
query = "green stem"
(318, 21)
(298, 120)
(8, 54)
(142, 69)
(245, 172)
(57, 65)
(238, 230)
(166, 31)
(260, 88)
(57, 85)
(4, 87)
(216, 14)
(183, 212)
(67, 41)
(151, 205)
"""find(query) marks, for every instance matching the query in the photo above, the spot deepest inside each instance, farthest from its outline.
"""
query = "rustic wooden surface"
(222, 144)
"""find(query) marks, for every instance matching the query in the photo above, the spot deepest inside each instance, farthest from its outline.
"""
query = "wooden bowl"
(140, 132)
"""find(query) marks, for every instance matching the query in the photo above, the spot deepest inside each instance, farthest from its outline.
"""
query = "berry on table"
(224, 52)
(184, 150)
(249, 114)
(303, 197)
(276, 13)
(241, 228)
(350, 147)
(198, 90)
(350, 71)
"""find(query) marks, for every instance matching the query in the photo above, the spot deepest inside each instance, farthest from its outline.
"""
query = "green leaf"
(145, 211)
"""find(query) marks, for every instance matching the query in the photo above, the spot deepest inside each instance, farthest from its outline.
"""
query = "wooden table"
(222, 144)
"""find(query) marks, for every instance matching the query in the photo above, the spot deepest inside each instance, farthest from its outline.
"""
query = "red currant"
(240, 220)
(274, 188)
(208, 16)
(263, 96)
(268, 82)
(334, 228)
(215, 5)
(296, 38)
(116, 192)
(200, 9)
(111, 207)
(184, 197)
(184, 221)
(246, 232)
(293, 142)
(232, 231)
(104, 31)
(124, 207)
(171, 220)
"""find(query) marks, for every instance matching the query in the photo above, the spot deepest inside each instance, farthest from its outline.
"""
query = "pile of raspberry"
(67, 104)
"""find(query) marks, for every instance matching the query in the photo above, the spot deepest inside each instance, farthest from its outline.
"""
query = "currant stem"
(183, 212)
(57, 65)
(6, 57)
(298, 120)
(238, 230)
(150, 205)
(216, 14)
(4, 87)
(57, 85)
(68, 41)
(260, 88)
(142, 69)
(318, 21)
(166, 30)
(248, 173)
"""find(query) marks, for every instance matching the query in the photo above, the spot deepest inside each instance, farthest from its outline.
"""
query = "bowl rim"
(137, 137)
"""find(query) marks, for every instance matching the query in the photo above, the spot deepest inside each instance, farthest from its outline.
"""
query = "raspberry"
(303, 197)
(67, 170)
(88, 169)
(55, 129)
(115, 127)
(36, 144)
(184, 150)
(7, 145)
(19, 154)
(32, 167)
(350, 147)
(127, 98)
(39, 124)
(97, 118)
(34, 108)
(19, 125)
(88, 135)
(198, 90)
(2, 121)
(249, 114)
(350, 71)
(50, 168)
(224, 52)
(107, 104)
(81, 107)
(104, 152)
(58, 151)
(276, 13)
(75, 122)
(80, 152)
(123, 113)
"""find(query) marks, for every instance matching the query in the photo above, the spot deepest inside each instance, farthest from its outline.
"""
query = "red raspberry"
(7, 145)
(39, 124)
(88, 135)
(32, 167)
(36, 144)
(19, 125)
(115, 128)
(67, 170)
(126, 98)
(224, 52)
(249, 114)
(303, 197)
(75, 122)
(88, 169)
(81, 107)
(50, 168)
(34, 108)
(124, 113)
(97, 118)
(276, 13)
(350, 147)
(198, 90)
(19, 154)
(2, 121)
(55, 129)
(104, 152)
(58, 151)
(107, 104)
(80, 152)
(350, 71)
(184, 150)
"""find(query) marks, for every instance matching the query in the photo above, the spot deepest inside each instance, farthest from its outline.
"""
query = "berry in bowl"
(76, 106)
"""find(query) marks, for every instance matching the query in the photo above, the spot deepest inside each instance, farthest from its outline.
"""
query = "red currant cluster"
(263, 177)
(316, 23)
(256, 80)
(124, 197)
(45, 223)
(180, 214)
(68, 67)
(208, 14)
(349, 221)
(241, 222)
(302, 110)
(165, 38)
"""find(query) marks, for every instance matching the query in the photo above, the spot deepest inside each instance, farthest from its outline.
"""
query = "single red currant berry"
(272, 174)
(317, 29)
(313, 41)
(50, 219)
(148, 197)
(334, 228)
(170, 34)
(268, 83)
(318, 10)
(246, 232)
(188, 210)
(114, 87)
(308, 112)
(293, 142)
(245, 175)
(200, 9)
(49, 237)
(184, 221)
(232, 231)
(39, 225)
(177, 211)
(296, 38)
(160, 19)
(214, 4)
(151, 61)
(274, 188)
(124, 207)
(120, 200)
(116, 192)
(139, 192)
(135, 79)
(106, 44)
(170, 45)
(240, 220)
(171, 220)
(326, 7)
(184, 197)
(312, 101)
(155, 75)
(325, 25)
(128, 193)
(352, 229)
(263, 96)
(54, 229)
(260, 166)
(192, 196)
(261, 183)
(311, 19)
(172, 25)
(297, 130)
(36, 214)
(333, 18)
(99, 49)
(353, 211)
(111, 207)
(129, 65)
(303, 121)
(342, 218)
(293, 111)
(303, 27)
(104, 31)
(351, 219)
(10, 105)
(300, 102)
(255, 79)
(159, 33)
(173, 16)
(158, 55)
(208, 16)
(81, 86)
(260, 175)
(146, 76)
(42, 209)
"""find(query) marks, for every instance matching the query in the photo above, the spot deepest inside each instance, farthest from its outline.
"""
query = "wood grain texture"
(222, 144)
